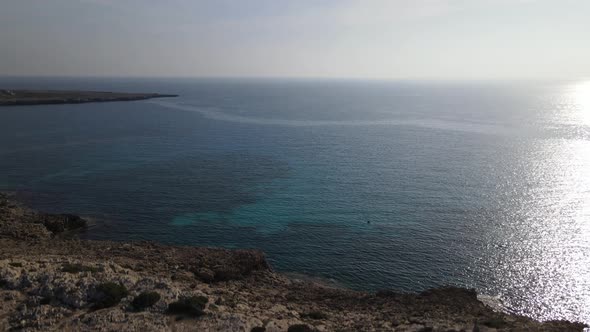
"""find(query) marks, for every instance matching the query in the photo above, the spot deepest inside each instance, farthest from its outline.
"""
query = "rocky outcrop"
(59, 223)
(49, 282)
(233, 266)
(17, 221)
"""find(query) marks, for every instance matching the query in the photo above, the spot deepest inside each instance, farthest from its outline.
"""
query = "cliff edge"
(50, 282)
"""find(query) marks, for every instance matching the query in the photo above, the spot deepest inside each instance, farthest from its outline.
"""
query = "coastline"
(51, 97)
(49, 282)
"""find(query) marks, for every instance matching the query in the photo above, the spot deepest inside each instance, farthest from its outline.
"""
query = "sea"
(370, 185)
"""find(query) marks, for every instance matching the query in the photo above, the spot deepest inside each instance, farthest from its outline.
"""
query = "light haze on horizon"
(383, 39)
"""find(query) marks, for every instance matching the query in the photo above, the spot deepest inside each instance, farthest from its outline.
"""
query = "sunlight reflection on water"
(580, 95)
(547, 254)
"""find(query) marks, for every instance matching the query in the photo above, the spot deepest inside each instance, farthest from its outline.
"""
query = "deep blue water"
(403, 185)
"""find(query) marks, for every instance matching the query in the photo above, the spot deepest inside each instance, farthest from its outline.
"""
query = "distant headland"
(45, 97)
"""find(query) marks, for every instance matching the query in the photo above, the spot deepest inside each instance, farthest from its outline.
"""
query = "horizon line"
(301, 78)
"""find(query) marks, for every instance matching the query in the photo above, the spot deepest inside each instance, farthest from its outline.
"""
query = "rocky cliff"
(48, 282)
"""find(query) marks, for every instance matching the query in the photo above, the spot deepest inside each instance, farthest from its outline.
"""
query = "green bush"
(193, 306)
(77, 268)
(145, 300)
(110, 294)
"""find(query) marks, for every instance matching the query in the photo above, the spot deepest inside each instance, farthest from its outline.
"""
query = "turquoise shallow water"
(404, 185)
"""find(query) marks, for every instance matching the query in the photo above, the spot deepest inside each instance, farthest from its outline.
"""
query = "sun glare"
(581, 100)
(582, 91)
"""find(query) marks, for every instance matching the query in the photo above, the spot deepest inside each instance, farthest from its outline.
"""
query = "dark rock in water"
(59, 223)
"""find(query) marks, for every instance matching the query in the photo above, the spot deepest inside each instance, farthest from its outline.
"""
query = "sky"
(376, 39)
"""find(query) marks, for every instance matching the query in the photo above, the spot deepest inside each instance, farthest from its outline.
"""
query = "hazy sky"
(440, 39)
